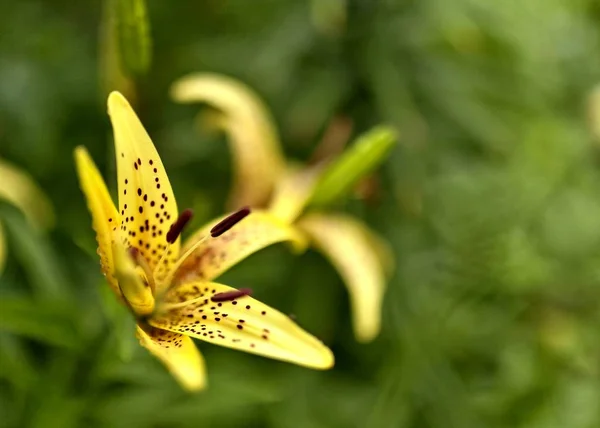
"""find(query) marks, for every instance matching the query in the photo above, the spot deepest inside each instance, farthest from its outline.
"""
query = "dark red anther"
(133, 253)
(228, 222)
(231, 295)
(177, 227)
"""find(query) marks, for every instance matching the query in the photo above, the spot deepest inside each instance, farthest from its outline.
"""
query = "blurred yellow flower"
(264, 178)
(168, 287)
(18, 188)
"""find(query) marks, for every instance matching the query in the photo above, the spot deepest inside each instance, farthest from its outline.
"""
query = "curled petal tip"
(194, 384)
(79, 151)
(324, 361)
(115, 100)
(368, 332)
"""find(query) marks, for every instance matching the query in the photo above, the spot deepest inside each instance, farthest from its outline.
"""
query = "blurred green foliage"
(133, 34)
(343, 174)
(491, 200)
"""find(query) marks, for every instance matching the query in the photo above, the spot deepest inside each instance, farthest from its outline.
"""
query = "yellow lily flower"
(362, 258)
(169, 288)
(19, 189)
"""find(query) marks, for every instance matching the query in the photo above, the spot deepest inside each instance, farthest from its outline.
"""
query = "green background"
(491, 201)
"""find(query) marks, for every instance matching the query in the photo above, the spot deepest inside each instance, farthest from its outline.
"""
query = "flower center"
(149, 275)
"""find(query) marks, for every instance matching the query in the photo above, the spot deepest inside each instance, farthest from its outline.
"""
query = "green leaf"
(133, 35)
(36, 254)
(16, 364)
(371, 149)
(50, 323)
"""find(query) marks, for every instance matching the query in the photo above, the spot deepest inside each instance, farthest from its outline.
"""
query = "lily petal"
(241, 323)
(105, 217)
(293, 192)
(216, 255)
(146, 200)
(252, 134)
(361, 258)
(178, 353)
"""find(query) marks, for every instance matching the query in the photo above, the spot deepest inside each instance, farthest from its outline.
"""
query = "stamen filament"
(172, 235)
(165, 307)
(140, 261)
(220, 228)
(219, 297)
(162, 258)
(183, 258)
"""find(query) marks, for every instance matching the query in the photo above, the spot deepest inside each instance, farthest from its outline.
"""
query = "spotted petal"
(104, 214)
(178, 353)
(216, 255)
(146, 200)
(250, 128)
(361, 258)
(242, 323)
